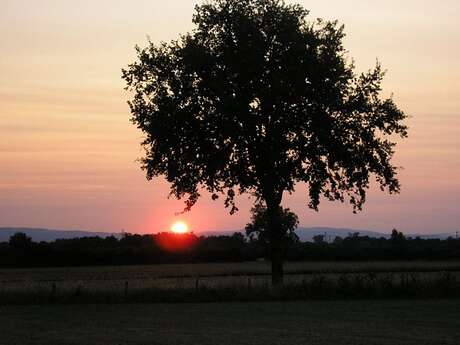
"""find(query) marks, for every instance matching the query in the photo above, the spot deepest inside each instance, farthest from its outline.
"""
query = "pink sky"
(68, 150)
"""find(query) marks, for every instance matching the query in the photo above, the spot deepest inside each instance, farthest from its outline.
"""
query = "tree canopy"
(259, 227)
(258, 98)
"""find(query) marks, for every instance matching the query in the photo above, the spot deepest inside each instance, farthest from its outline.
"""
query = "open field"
(217, 269)
(315, 322)
(229, 282)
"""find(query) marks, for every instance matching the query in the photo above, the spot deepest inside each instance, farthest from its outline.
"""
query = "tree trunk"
(277, 264)
(276, 239)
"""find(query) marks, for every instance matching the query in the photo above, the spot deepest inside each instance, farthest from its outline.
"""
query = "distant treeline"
(21, 251)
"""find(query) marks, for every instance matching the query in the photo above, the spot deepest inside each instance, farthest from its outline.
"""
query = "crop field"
(224, 282)
(401, 322)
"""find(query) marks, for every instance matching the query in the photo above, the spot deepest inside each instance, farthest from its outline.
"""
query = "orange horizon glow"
(176, 241)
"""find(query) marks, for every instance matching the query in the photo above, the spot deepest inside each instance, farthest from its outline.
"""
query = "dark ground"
(322, 322)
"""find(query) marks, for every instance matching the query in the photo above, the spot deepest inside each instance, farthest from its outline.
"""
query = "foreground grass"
(231, 282)
(345, 286)
(318, 322)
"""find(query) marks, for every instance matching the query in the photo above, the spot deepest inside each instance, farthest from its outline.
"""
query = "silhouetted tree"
(20, 241)
(397, 237)
(338, 240)
(318, 239)
(256, 99)
(259, 227)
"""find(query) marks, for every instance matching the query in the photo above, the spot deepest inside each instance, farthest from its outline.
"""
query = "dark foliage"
(259, 227)
(258, 230)
(355, 247)
(173, 248)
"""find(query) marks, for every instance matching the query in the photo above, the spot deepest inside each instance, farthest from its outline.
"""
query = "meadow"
(213, 282)
(402, 322)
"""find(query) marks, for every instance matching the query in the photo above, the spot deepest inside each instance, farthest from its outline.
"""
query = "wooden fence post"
(126, 290)
(78, 291)
(53, 291)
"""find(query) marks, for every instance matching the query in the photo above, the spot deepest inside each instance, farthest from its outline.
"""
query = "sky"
(68, 151)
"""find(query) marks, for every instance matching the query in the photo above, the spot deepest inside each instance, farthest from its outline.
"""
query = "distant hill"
(48, 235)
(305, 234)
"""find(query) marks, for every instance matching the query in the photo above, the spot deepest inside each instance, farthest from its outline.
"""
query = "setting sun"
(179, 228)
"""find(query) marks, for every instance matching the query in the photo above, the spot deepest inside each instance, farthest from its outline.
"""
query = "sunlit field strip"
(237, 281)
(439, 285)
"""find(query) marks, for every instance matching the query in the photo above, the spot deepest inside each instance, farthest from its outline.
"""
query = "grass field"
(216, 269)
(316, 322)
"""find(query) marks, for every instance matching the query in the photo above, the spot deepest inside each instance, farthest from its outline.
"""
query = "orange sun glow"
(179, 228)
